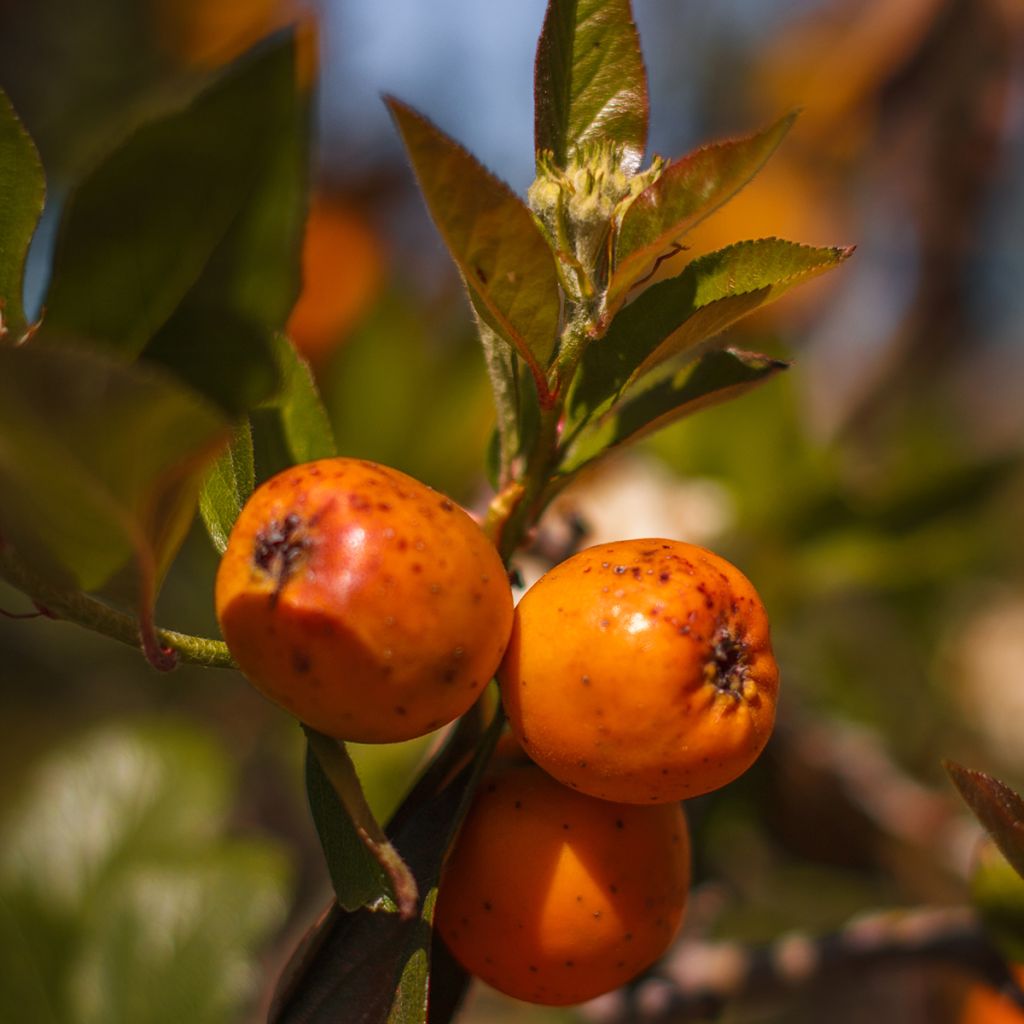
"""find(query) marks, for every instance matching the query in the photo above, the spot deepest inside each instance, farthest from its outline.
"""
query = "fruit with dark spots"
(344, 602)
(556, 897)
(682, 679)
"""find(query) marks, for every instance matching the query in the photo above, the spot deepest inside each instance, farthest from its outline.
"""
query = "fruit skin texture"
(554, 897)
(366, 603)
(641, 671)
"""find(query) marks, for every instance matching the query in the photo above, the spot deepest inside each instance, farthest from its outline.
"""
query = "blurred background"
(158, 861)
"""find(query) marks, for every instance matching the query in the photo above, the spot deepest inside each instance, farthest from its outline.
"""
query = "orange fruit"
(985, 1005)
(367, 604)
(343, 270)
(554, 897)
(641, 671)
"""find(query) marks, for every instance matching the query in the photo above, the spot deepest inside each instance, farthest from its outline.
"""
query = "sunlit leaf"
(138, 232)
(227, 486)
(999, 809)
(22, 189)
(589, 80)
(372, 968)
(491, 235)
(100, 466)
(300, 410)
(717, 377)
(673, 316)
(686, 192)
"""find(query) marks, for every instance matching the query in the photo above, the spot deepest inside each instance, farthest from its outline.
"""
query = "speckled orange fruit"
(367, 604)
(555, 897)
(641, 671)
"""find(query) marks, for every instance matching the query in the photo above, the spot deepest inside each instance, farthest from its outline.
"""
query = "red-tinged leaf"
(717, 377)
(589, 80)
(685, 193)
(679, 314)
(22, 189)
(491, 235)
(999, 809)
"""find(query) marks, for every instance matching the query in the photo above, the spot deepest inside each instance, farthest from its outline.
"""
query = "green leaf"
(100, 467)
(220, 339)
(299, 408)
(719, 376)
(686, 192)
(373, 968)
(227, 486)
(589, 80)
(138, 232)
(999, 809)
(676, 315)
(504, 260)
(22, 190)
(365, 868)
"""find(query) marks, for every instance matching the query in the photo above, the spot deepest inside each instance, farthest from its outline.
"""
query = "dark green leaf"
(100, 466)
(589, 80)
(717, 377)
(371, 968)
(686, 192)
(504, 260)
(227, 486)
(22, 189)
(673, 316)
(220, 339)
(300, 410)
(140, 229)
(999, 809)
(365, 868)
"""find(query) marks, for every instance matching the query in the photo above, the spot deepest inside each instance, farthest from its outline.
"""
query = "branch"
(698, 979)
(74, 606)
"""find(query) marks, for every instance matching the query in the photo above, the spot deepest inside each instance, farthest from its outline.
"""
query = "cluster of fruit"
(634, 675)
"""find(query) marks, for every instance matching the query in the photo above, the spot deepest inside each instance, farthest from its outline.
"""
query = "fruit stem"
(77, 607)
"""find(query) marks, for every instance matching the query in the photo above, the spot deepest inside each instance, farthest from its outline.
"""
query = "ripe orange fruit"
(984, 1005)
(554, 897)
(641, 671)
(364, 602)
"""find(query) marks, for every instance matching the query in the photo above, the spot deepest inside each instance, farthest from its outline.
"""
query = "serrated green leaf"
(304, 421)
(100, 466)
(371, 968)
(138, 232)
(999, 809)
(22, 190)
(679, 314)
(491, 235)
(716, 377)
(590, 84)
(686, 192)
(227, 486)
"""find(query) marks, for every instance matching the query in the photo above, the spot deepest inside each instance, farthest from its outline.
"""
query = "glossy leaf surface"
(686, 192)
(678, 314)
(589, 80)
